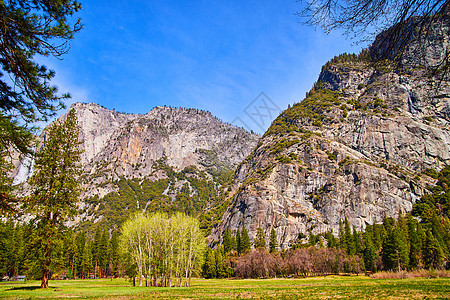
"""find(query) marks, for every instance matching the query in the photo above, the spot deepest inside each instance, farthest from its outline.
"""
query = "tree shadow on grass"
(24, 288)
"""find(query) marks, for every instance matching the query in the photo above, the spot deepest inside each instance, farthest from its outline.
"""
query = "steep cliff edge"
(356, 147)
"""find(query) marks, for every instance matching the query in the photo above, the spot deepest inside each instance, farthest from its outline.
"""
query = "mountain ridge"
(357, 147)
(169, 159)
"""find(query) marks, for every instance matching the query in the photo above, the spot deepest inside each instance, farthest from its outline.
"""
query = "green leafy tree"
(378, 234)
(54, 188)
(170, 249)
(349, 239)
(12, 246)
(356, 239)
(29, 28)
(80, 245)
(346, 241)
(70, 254)
(341, 235)
(86, 263)
(273, 243)
(233, 242)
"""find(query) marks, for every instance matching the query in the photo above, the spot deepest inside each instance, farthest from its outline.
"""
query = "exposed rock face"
(417, 42)
(355, 148)
(127, 145)
(170, 159)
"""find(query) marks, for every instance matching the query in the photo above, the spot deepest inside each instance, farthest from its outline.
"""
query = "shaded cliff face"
(356, 147)
(170, 159)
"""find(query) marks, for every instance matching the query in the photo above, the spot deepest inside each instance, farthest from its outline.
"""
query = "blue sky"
(212, 55)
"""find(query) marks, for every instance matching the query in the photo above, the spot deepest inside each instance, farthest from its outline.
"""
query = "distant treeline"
(77, 255)
(419, 239)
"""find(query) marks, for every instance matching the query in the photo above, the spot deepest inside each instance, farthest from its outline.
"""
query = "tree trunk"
(73, 263)
(44, 282)
(46, 266)
(140, 276)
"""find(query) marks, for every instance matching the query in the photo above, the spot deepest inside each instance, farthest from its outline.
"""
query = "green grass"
(332, 287)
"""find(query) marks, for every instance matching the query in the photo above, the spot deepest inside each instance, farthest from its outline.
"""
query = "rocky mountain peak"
(168, 159)
(357, 147)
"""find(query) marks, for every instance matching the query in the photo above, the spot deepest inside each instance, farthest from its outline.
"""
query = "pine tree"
(245, 241)
(28, 29)
(81, 244)
(220, 263)
(70, 254)
(415, 242)
(103, 253)
(403, 250)
(238, 242)
(273, 243)
(388, 223)
(260, 240)
(312, 239)
(87, 265)
(233, 241)
(227, 244)
(356, 238)
(209, 268)
(114, 254)
(341, 236)
(433, 255)
(395, 254)
(379, 233)
(369, 254)
(95, 250)
(331, 240)
(55, 188)
(347, 242)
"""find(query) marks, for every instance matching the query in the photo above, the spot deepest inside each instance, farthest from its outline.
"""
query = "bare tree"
(407, 32)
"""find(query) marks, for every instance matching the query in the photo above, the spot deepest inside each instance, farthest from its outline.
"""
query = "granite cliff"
(170, 159)
(358, 146)
(127, 145)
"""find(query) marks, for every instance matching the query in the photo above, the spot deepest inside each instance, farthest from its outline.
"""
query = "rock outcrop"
(356, 147)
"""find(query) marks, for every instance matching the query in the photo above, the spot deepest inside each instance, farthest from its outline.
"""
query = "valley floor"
(332, 287)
